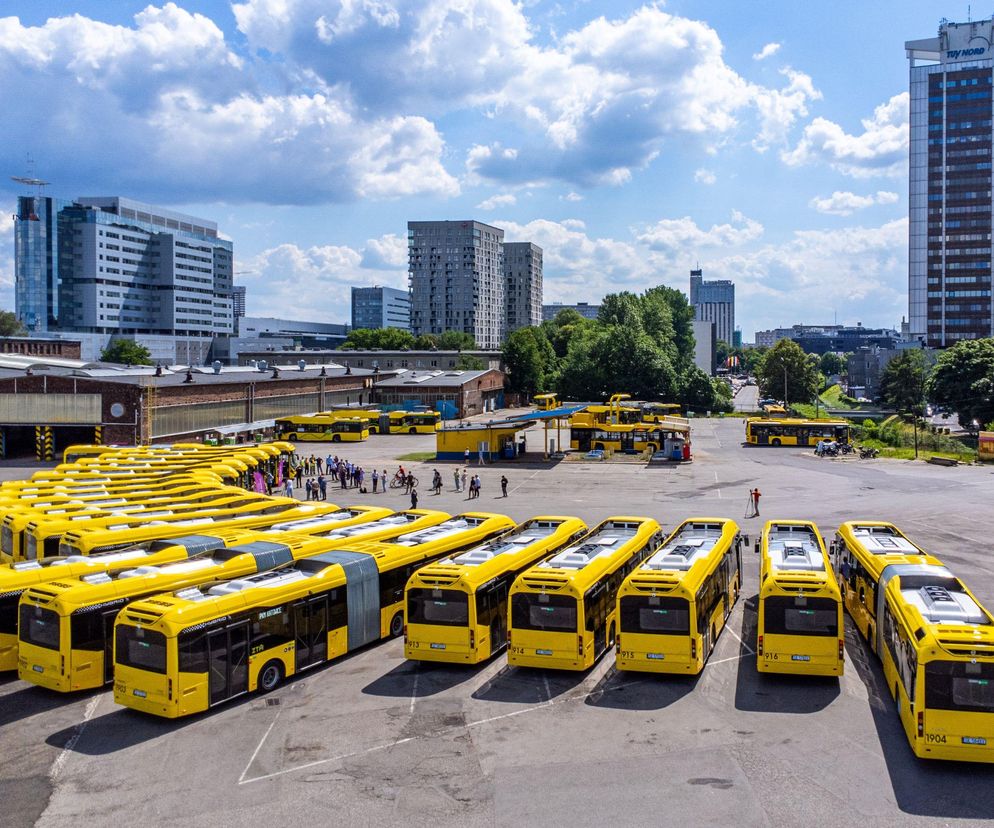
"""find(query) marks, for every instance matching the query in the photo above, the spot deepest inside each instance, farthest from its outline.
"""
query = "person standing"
(288, 487)
(320, 469)
(465, 457)
(322, 487)
(307, 488)
(383, 481)
(465, 474)
(299, 474)
(455, 476)
(755, 495)
(503, 485)
(376, 478)
(414, 498)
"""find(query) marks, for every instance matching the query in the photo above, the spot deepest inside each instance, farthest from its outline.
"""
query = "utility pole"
(785, 385)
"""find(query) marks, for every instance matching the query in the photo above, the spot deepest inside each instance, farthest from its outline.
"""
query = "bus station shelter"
(551, 417)
(493, 441)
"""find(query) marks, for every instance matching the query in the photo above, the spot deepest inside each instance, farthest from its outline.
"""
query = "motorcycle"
(866, 453)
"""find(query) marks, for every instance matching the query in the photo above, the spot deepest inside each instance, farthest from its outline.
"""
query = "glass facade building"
(381, 307)
(950, 203)
(714, 302)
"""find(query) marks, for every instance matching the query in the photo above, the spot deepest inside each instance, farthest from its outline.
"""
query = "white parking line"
(258, 747)
(736, 637)
(716, 480)
(63, 757)
(414, 692)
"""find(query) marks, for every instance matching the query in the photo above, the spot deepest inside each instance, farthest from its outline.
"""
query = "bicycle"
(400, 482)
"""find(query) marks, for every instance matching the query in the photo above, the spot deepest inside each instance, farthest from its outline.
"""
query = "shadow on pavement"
(640, 691)
(421, 679)
(527, 685)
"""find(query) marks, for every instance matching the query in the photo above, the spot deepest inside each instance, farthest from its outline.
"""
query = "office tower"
(381, 307)
(949, 247)
(110, 266)
(456, 272)
(522, 284)
(714, 302)
(238, 302)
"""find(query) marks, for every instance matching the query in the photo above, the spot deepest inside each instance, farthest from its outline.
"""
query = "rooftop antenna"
(30, 179)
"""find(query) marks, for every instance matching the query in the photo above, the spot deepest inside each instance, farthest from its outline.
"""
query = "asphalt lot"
(372, 739)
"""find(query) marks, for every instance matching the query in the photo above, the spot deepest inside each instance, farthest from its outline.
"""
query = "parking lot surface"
(372, 739)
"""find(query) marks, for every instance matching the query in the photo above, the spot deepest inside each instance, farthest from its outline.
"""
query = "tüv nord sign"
(956, 54)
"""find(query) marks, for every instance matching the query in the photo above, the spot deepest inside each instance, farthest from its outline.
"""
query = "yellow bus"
(934, 639)
(794, 432)
(456, 608)
(775, 410)
(66, 627)
(654, 412)
(310, 428)
(111, 538)
(371, 416)
(414, 422)
(673, 607)
(43, 536)
(23, 575)
(389, 525)
(181, 653)
(562, 610)
(637, 437)
(800, 627)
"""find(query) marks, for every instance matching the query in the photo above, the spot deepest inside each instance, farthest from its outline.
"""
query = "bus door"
(228, 649)
(583, 439)
(311, 625)
(802, 436)
(627, 440)
(762, 435)
(107, 622)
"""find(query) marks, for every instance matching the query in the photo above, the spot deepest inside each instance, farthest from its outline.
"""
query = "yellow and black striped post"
(98, 435)
(44, 443)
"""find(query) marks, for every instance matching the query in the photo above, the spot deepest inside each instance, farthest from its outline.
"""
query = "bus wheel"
(336, 438)
(775, 441)
(271, 676)
(293, 436)
(412, 430)
(599, 446)
(397, 625)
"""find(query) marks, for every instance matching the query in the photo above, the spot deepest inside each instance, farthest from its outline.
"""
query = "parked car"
(595, 454)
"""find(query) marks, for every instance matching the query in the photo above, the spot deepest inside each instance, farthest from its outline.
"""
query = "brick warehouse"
(46, 407)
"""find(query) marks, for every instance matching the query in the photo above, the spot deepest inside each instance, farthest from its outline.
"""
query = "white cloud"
(388, 252)
(683, 234)
(571, 196)
(844, 203)
(704, 176)
(768, 50)
(779, 109)
(495, 201)
(881, 149)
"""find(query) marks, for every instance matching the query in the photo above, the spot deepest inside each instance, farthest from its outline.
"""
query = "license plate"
(140, 693)
(656, 656)
(438, 646)
(800, 658)
(37, 668)
(543, 652)
(974, 740)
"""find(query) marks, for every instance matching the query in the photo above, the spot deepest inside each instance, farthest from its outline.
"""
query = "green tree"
(751, 357)
(832, 363)
(786, 371)
(10, 325)
(963, 381)
(426, 342)
(466, 362)
(525, 362)
(722, 351)
(681, 321)
(456, 341)
(387, 339)
(561, 330)
(623, 309)
(902, 382)
(126, 352)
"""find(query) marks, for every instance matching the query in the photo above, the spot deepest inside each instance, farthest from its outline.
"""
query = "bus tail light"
(509, 636)
(405, 632)
(842, 648)
(62, 665)
(170, 689)
(579, 645)
(472, 640)
(693, 649)
(759, 646)
(921, 723)
(617, 643)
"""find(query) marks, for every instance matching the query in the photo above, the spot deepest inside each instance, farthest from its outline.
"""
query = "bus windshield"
(959, 685)
(140, 648)
(446, 607)
(538, 611)
(646, 614)
(39, 627)
(788, 615)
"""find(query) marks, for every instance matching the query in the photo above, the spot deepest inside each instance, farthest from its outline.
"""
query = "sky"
(765, 142)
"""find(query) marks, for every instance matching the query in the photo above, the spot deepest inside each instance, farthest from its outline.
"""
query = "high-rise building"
(522, 285)
(111, 267)
(456, 271)
(714, 302)
(238, 302)
(949, 250)
(381, 307)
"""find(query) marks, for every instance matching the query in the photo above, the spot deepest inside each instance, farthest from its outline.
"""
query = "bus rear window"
(647, 614)
(786, 615)
(39, 626)
(536, 611)
(446, 607)
(958, 685)
(140, 648)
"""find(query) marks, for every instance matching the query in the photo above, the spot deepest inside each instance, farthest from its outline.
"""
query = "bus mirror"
(756, 548)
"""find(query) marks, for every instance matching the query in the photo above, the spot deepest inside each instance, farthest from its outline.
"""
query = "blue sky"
(765, 141)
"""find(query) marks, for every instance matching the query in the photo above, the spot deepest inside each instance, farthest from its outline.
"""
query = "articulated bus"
(562, 610)
(112, 538)
(184, 652)
(21, 576)
(800, 607)
(386, 526)
(414, 422)
(309, 428)
(638, 437)
(43, 535)
(456, 608)
(793, 432)
(66, 627)
(934, 639)
(673, 607)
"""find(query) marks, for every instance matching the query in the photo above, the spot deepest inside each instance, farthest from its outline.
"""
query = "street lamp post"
(785, 385)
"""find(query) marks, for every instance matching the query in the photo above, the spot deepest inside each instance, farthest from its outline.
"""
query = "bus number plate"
(140, 693)
(543, 652)
(800, 658)
(37, 668)
(974, 740)
(438, 646)
(655, 656)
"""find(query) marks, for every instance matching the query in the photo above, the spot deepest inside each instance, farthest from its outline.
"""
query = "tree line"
(640, 344)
